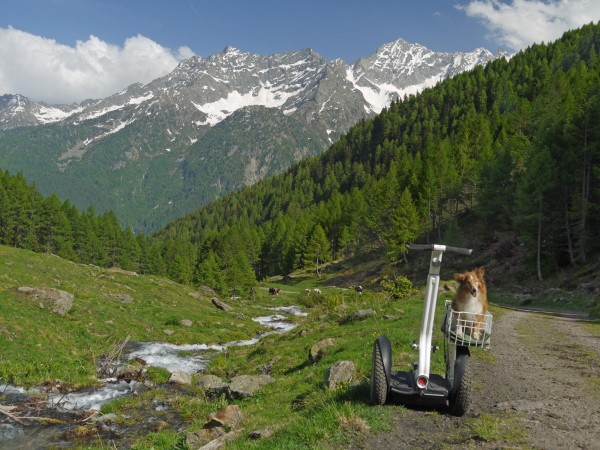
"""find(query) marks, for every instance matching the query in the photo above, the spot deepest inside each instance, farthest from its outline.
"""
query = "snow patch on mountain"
(204, 92)
(220, 109)
(49, 114)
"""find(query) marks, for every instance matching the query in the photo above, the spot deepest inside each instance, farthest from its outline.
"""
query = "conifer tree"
(405, 228)
(209, 273)
(317, 250)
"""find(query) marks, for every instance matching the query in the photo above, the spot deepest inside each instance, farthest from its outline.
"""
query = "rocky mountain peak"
(212, 125)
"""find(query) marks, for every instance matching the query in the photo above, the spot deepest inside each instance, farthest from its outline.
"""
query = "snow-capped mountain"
(300, 82)
(208, 114)
(18, 111)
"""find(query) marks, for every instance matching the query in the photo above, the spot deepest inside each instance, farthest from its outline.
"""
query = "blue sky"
(67, 50)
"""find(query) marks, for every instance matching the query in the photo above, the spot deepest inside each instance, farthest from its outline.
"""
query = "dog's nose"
(473, 291)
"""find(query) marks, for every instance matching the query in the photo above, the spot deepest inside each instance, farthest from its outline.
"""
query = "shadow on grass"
(297, 368)
(361, 393)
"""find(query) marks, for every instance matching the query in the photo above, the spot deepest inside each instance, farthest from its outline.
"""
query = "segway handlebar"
(442, 248)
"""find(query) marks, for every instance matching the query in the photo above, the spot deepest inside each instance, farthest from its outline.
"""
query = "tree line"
(515, 144)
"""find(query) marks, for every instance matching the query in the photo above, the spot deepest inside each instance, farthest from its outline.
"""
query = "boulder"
(123, 298)
(221, 441)
(317, 351)
(57, 301)
(212, 384)
(198, 439)
(130, 372)
(207, 290)
(214, 432)
(121, 271)
(262, 433)
(247, 385)
(341, 372)
(186, 323)
(358, 315)
(266, 368)
(231, 416)
(180, 377)
(221, 305)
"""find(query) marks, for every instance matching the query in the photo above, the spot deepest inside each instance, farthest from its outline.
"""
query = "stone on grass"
(247, 385)
(318, 350)
(180, 377)
(57, 301)
(358, 315)
(130, 372)
(230, 416)
(197, 439)
(214, 434)
(212, 384)
(262, 433)
(186, 323)
(342, 372)
(221, 305)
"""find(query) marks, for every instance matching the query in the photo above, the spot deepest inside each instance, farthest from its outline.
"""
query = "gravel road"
(538, 386)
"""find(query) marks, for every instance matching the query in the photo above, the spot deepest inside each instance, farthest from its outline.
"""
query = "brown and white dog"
(470, 298)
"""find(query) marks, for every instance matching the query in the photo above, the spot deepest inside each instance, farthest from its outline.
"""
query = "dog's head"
(471, 282)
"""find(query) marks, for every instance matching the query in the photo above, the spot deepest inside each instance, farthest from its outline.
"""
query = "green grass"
(39, 346)
(552, 300)
(498, 428)
(561, 347)
(304, 413)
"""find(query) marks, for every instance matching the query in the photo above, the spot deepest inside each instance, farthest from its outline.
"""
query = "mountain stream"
(192, 358)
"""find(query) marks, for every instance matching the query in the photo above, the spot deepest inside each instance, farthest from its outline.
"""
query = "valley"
(512, 404)
(250, 320)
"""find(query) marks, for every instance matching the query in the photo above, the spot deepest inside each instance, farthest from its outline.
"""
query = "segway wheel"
(460, 398)
(379, 384)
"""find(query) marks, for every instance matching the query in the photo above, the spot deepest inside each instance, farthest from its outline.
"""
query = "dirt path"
(537, 387)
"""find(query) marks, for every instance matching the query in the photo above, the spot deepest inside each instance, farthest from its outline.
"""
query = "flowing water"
(191, 358)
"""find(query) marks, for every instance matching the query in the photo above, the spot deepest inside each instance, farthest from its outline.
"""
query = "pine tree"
(209, 273)
(317, 250)
(405, 228)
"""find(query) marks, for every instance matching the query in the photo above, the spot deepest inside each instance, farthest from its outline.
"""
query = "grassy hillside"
(513, 145)
(38, 346)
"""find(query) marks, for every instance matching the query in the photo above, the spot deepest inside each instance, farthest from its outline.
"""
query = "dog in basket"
(470, 299)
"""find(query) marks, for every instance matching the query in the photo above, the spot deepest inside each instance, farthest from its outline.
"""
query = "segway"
(419, 384)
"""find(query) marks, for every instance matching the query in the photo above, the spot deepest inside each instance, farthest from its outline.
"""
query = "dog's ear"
(460, 277)
(481, 271)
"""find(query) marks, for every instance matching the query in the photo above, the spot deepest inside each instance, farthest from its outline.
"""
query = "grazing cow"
(274, 291)
(317, 291)
(358, 289)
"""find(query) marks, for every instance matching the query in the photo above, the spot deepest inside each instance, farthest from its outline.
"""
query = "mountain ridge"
(110, 148)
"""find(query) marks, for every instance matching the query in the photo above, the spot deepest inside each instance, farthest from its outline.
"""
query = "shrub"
(398, 288)
(172, 321)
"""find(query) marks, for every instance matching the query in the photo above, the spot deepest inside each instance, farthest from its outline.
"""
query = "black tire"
(461, 394)
(379, 383)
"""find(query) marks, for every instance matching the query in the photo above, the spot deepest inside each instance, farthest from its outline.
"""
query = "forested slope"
(514, 146)
(515, 143)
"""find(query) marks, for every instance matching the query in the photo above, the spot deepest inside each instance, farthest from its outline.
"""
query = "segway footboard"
(403, 385)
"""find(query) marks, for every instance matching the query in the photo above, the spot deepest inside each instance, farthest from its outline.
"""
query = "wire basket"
(467, 329)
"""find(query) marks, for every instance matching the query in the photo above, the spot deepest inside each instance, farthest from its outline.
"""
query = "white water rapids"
(171, 357)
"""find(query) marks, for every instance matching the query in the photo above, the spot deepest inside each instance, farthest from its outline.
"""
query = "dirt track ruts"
(542, 376)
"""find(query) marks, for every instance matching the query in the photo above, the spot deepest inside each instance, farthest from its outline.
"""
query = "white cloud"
(45, 70)
(521, 23)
